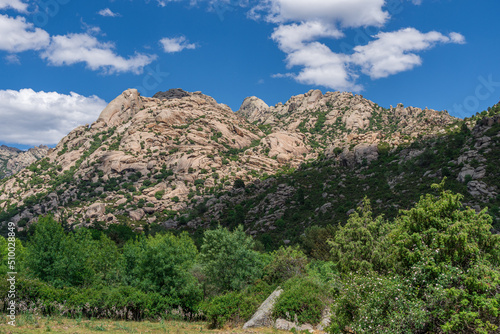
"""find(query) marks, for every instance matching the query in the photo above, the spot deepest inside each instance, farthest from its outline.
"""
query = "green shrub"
(285, 263)
(230, 263)
(377, 304)
(303, 299)
(162, 264)
(383, 148)
(159, 194)
(115, 302)
(239, 183)
(355, 246)
(236, 307)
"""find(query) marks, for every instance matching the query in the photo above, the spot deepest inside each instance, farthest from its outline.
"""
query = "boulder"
(252, 108)
(136, 214)
(95, 210)
(262, 318)
(121, 108)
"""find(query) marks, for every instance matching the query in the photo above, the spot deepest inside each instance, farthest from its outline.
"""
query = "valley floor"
(34, 324)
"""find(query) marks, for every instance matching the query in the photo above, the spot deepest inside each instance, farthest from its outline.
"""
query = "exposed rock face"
(262, 318)
(344, 120)
(123, 107)
(12, 160)
(175, 93)
(148, 159)
(253, 109)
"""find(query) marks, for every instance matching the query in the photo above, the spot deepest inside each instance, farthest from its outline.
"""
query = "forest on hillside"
(432, 269)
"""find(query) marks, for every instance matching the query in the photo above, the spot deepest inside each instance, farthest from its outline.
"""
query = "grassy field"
(37, 324)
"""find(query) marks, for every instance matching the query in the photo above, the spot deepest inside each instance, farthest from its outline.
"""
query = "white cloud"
(176, 44)
(14, 4)
(108, 12)
(457, 38)
(34, 118)
(347, 13)
(394, 52)
(302, 24)
(320, 66)
(83, 48)
(293, 36)
(17, 35)
(12, 59)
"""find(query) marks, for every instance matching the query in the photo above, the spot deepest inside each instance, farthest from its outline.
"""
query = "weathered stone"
(136, 214)
(95, 210)
(262, 318)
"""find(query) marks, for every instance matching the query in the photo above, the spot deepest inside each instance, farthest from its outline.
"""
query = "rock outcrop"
(263, 316)
(12, 160)
(152, 159)
(253, 109)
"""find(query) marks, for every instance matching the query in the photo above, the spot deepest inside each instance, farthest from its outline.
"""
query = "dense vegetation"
(432, 269)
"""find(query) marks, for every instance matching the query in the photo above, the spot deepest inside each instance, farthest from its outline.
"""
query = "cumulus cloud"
(319, 65)
(83, 48)
(107, 13)
(293, 36)
(17, 35)
(346, 13)
(176, 44)
(34, 118)
(14, 4)
(394, 52)
(302, 24)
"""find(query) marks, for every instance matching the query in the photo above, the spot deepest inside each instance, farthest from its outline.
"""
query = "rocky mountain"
(12, 160)
(182, 160)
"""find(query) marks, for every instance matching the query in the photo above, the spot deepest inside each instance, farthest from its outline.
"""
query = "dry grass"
(38, 324)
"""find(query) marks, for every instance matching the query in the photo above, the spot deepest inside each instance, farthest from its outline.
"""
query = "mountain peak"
(174, 93)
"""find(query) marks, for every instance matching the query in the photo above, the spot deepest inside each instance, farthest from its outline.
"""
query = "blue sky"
(61, 61)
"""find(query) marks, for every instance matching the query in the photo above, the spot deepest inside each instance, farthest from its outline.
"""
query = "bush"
(230, 263)
(314, 241)
(377, 304)
(356, 246)
(239, 183)
(120, 302)
(285, 263)
(303, 300)
(383, 148)
(159, 194)
(162, 264)
(236, 307)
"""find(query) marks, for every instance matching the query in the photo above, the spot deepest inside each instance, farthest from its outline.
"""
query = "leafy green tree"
(314, 241)
(162, 264)
(106, 261)
(355, 246)
(451, 255)
(46, 248)
(73, 262)
(75, 259)
(20, 257)
(285, 263)
(436, 255)
(230, 263)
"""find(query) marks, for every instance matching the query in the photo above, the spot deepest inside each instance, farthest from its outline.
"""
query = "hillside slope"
(172, 161)
(12, 160)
